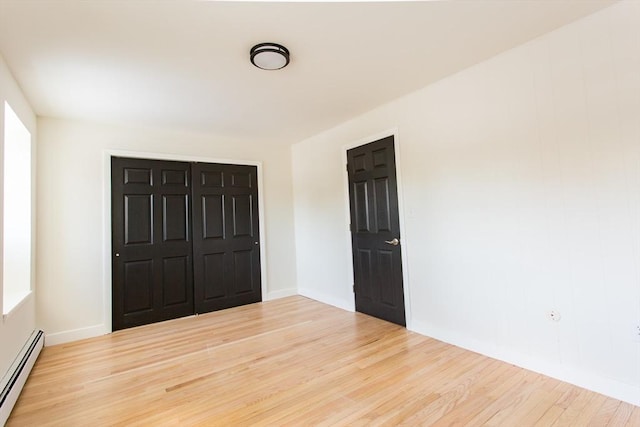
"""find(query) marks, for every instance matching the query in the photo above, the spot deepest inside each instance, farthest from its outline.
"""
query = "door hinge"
(350, 227)
(354, 288)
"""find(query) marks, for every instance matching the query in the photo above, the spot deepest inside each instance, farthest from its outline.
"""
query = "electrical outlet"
(553, 315)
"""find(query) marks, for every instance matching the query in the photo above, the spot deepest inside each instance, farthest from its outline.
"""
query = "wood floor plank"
(575, 408)
(550, 416)
(293, 361)
(605, 414)
(634, 419)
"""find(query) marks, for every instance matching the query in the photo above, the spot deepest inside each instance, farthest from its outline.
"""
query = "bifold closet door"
(151, 241)
(164, 267)
(226, 236)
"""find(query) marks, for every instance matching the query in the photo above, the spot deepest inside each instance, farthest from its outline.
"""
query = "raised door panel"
(385, 275)
(212, 179)
(241, 179)
(242, 215)
(176, 280)
(361, 206)
(213, 220)
(214, 280)
(175, 217)
(179, 177)
(243, 272)
(138, 219)
(364, 273)
(137, 176)
(382, 204)
(138, 289)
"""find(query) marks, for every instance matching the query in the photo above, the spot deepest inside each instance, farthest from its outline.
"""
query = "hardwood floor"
(294, 362)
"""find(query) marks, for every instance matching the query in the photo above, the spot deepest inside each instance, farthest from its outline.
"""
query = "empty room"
(288, 213)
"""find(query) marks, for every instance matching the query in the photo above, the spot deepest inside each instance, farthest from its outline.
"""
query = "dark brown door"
(225, 236)
(152, 266)
(375, 231)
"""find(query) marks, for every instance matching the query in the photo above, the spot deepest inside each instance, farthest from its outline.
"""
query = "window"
(16, 263)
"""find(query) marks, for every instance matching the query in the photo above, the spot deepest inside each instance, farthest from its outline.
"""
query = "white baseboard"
(282, 293)
(576, 376)
(75, 334)
(327, 299)
(100, 329)
(14, 380)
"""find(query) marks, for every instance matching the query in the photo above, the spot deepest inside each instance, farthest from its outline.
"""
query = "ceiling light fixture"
(269, 56)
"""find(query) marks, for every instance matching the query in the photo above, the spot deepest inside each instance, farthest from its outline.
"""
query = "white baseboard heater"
(17, 375)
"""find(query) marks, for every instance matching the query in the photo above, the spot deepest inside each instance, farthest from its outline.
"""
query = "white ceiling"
(184, 64)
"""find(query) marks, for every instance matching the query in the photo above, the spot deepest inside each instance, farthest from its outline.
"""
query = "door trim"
(401, 216)
(106, 217)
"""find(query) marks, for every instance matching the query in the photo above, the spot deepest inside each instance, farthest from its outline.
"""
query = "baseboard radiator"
(17, 375)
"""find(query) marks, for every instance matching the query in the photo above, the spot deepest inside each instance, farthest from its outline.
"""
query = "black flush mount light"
(269, 56)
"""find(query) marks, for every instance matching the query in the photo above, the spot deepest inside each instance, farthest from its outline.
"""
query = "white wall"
(15, 328)
(73, 251)
(521, 190)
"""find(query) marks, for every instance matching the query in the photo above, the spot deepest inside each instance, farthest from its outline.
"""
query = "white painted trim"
(106, 220)
(281, 293)
(76, 334)
(567, 373)
(327, 299)
(106, 243)
(15, 301)
(401, 213)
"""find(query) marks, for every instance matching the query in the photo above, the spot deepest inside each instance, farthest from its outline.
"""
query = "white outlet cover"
(554, 315)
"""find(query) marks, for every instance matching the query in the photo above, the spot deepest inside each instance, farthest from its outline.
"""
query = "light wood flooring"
(294, 362)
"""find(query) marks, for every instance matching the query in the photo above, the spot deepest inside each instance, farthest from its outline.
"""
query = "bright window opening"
(16, 271)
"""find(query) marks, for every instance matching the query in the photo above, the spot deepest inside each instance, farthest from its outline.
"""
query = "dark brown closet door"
(151, 264)
(225, 236)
